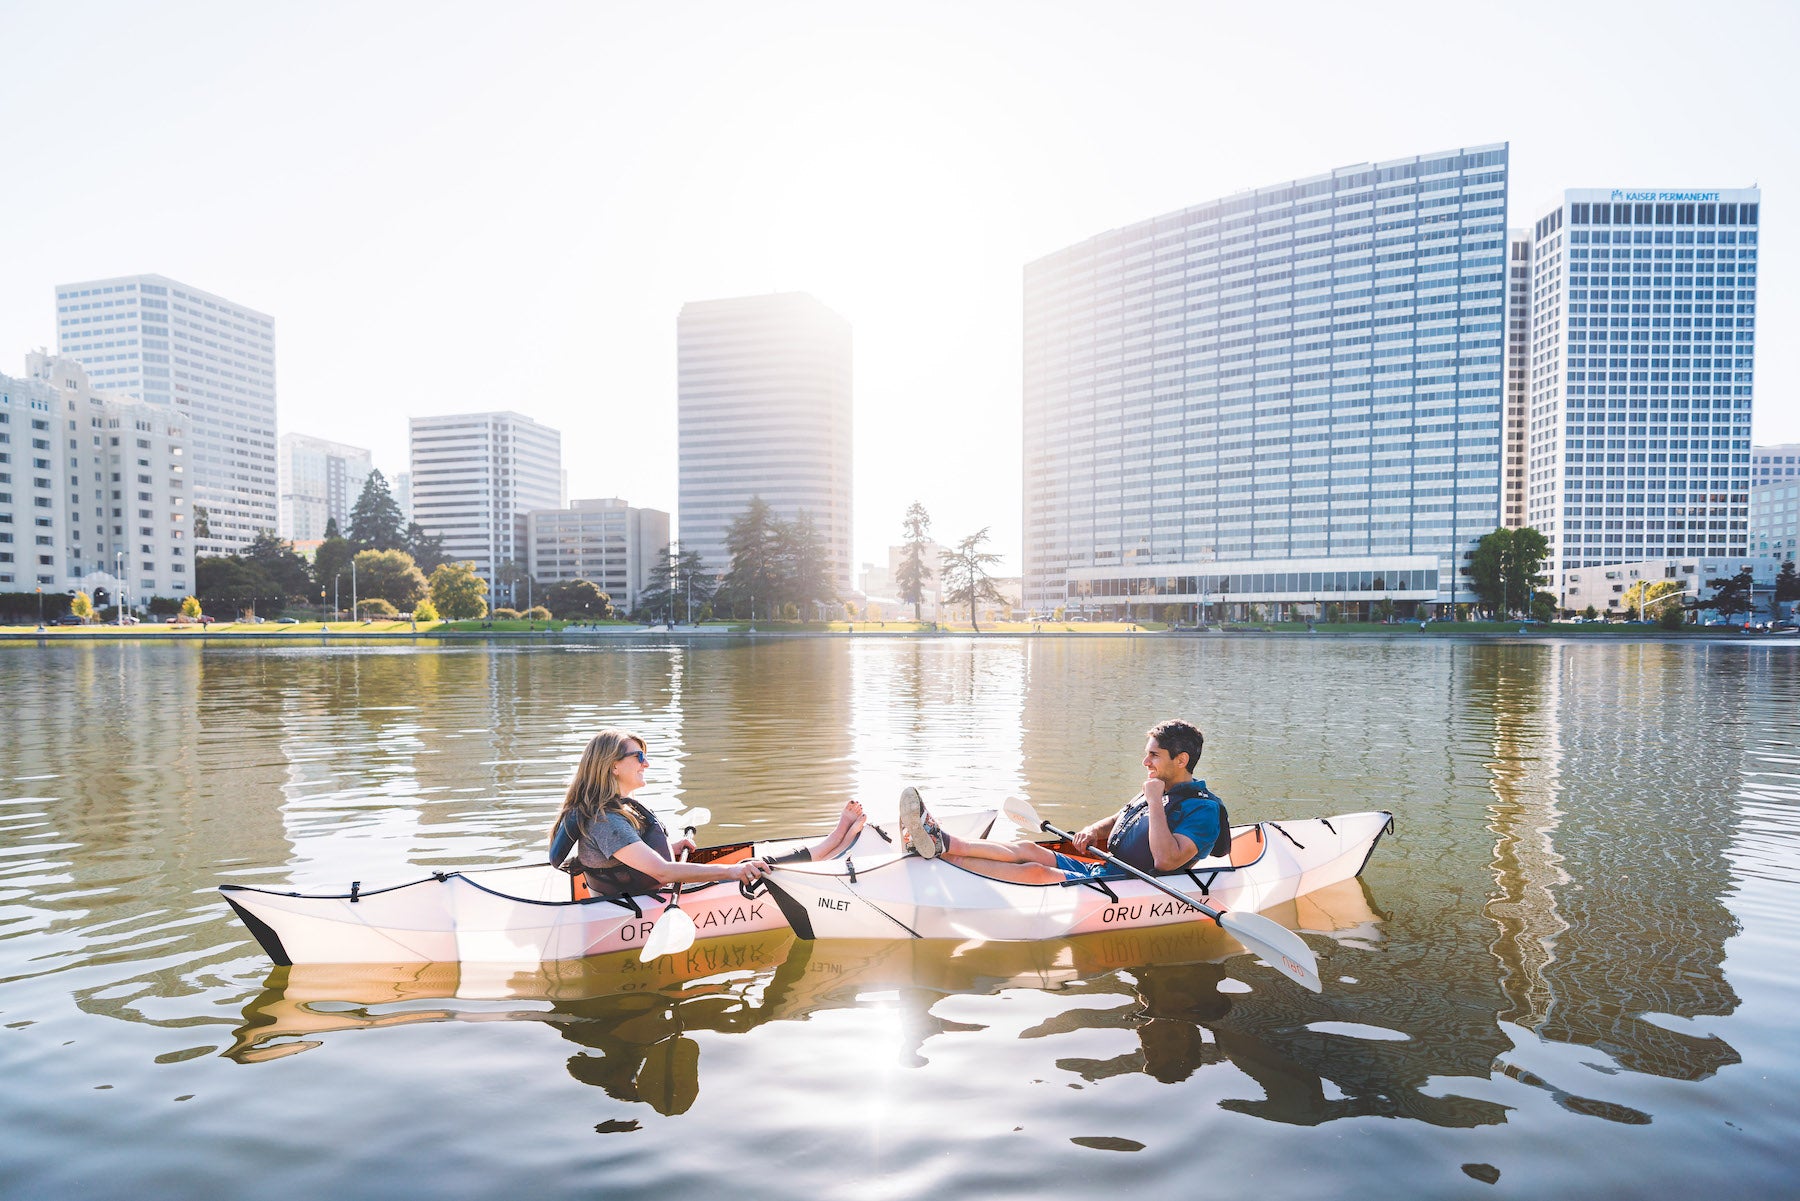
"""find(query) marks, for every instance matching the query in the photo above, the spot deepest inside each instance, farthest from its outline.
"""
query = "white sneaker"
(921, 832)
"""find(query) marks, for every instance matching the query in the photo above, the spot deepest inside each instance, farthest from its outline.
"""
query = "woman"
(623, 848)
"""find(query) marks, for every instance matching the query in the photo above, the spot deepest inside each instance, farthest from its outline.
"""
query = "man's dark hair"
(1180, 738)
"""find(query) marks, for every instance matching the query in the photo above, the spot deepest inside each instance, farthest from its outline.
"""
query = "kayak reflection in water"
(1174, 821)
(622, 847)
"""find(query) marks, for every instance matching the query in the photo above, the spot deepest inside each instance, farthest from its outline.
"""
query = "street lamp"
(40, 593)
(119, 585)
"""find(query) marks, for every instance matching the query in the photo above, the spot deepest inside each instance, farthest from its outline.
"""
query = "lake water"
(1568, 974)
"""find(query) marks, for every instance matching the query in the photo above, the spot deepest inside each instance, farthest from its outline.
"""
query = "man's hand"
(1083, 839)
(1153, 790)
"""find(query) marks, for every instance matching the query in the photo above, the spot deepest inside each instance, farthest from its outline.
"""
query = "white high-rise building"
(1643, 359)
(1289, 395)
(93, 488)
(475, 476)
(765, 396)
(1518, 374)
(154, 339)
(604, 541)
(320, 482)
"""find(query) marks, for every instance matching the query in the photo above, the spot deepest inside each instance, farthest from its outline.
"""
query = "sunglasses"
(638, 755)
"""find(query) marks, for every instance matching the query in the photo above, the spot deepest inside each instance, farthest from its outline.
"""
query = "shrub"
(374, 606)
(506, 615)
(538, 613)
(1671, 617)
(424, 611)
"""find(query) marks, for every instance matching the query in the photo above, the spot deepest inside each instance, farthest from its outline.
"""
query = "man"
(1173, 822)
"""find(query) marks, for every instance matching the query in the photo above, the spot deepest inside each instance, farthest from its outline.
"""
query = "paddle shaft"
(1146, 877)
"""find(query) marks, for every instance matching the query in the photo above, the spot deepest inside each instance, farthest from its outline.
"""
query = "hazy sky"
(452, 207)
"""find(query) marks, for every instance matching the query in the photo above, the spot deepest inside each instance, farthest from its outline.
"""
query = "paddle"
(674, 930)
(1280, 947)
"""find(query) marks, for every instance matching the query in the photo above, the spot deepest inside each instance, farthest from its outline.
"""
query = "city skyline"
(355, 220)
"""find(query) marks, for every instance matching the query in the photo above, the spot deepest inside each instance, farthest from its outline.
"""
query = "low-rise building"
(1775, 521)
(605, 541)
(1605, 587)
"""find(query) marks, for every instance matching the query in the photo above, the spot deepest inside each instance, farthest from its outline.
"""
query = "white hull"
(892, 895)
(507, 915)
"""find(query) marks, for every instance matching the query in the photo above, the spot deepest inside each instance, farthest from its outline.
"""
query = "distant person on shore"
(1171, 823)
(622, 847)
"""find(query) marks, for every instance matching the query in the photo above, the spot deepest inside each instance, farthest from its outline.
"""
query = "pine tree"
(913, 572)
(375, 521)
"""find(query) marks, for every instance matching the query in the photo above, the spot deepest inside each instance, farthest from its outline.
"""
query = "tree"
(376, 606)
(232, 583)
(752, 540)
(509, 575)
(1787, 583)
(375, 521)
(1506, 568)
(82, 606)
(424, 612)
(190, 607)
(457, 592)
(913, 572)
(331, 528)
(276, 559)
(1731, 594)
(427, 550)
(331, 561)
(577, 600)
(1543, 606)
(805, 571)
(677, 582)
(966, 579)
(391, 576)
(1650, 597)
(202, 527)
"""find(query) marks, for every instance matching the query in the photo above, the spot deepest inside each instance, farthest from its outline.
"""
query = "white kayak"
(533, 913)
(893, 894)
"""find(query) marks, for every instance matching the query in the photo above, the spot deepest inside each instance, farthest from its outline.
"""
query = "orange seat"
(1247, 847)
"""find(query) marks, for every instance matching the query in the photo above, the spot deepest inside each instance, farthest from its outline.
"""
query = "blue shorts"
(1079, 869)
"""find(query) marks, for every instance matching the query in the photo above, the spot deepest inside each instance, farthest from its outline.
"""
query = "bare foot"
(850, 822)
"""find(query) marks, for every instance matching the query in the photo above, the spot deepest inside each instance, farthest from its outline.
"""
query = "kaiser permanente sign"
(1621, 194)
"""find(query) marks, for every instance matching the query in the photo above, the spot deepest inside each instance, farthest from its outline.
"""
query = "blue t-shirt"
(1193, 812)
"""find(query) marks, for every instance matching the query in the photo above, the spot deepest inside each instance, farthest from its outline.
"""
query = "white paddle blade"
(672, 934)
(695, 818)
(1279, 946)
(1020, 813)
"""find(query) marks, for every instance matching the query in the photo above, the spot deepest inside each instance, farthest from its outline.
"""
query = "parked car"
(287, 621)
(70, 620)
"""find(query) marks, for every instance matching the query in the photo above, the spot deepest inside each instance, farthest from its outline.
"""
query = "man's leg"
(927, 838)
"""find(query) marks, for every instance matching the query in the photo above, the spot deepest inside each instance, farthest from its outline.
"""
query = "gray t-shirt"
(603, 839)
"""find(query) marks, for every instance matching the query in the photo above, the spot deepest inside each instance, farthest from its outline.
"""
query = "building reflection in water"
(1615, 783)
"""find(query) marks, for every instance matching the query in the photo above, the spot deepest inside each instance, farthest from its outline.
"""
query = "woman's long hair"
(595, 790)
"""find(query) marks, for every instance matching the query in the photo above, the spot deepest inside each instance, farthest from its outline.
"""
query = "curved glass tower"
(1288, 395)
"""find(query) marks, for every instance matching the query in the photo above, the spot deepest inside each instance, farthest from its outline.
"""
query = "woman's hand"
(749, 871)
(681, 848)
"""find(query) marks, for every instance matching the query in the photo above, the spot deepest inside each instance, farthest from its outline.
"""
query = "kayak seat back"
(1247, 847)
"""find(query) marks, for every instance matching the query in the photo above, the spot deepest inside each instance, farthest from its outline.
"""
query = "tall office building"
(764, 411)
(93, 488)
(1518, 375)
(1643, 364)
(154, 339)
(320, 483)
(605, 541)
(403, 493)
(1287, 395)
(475, 476)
